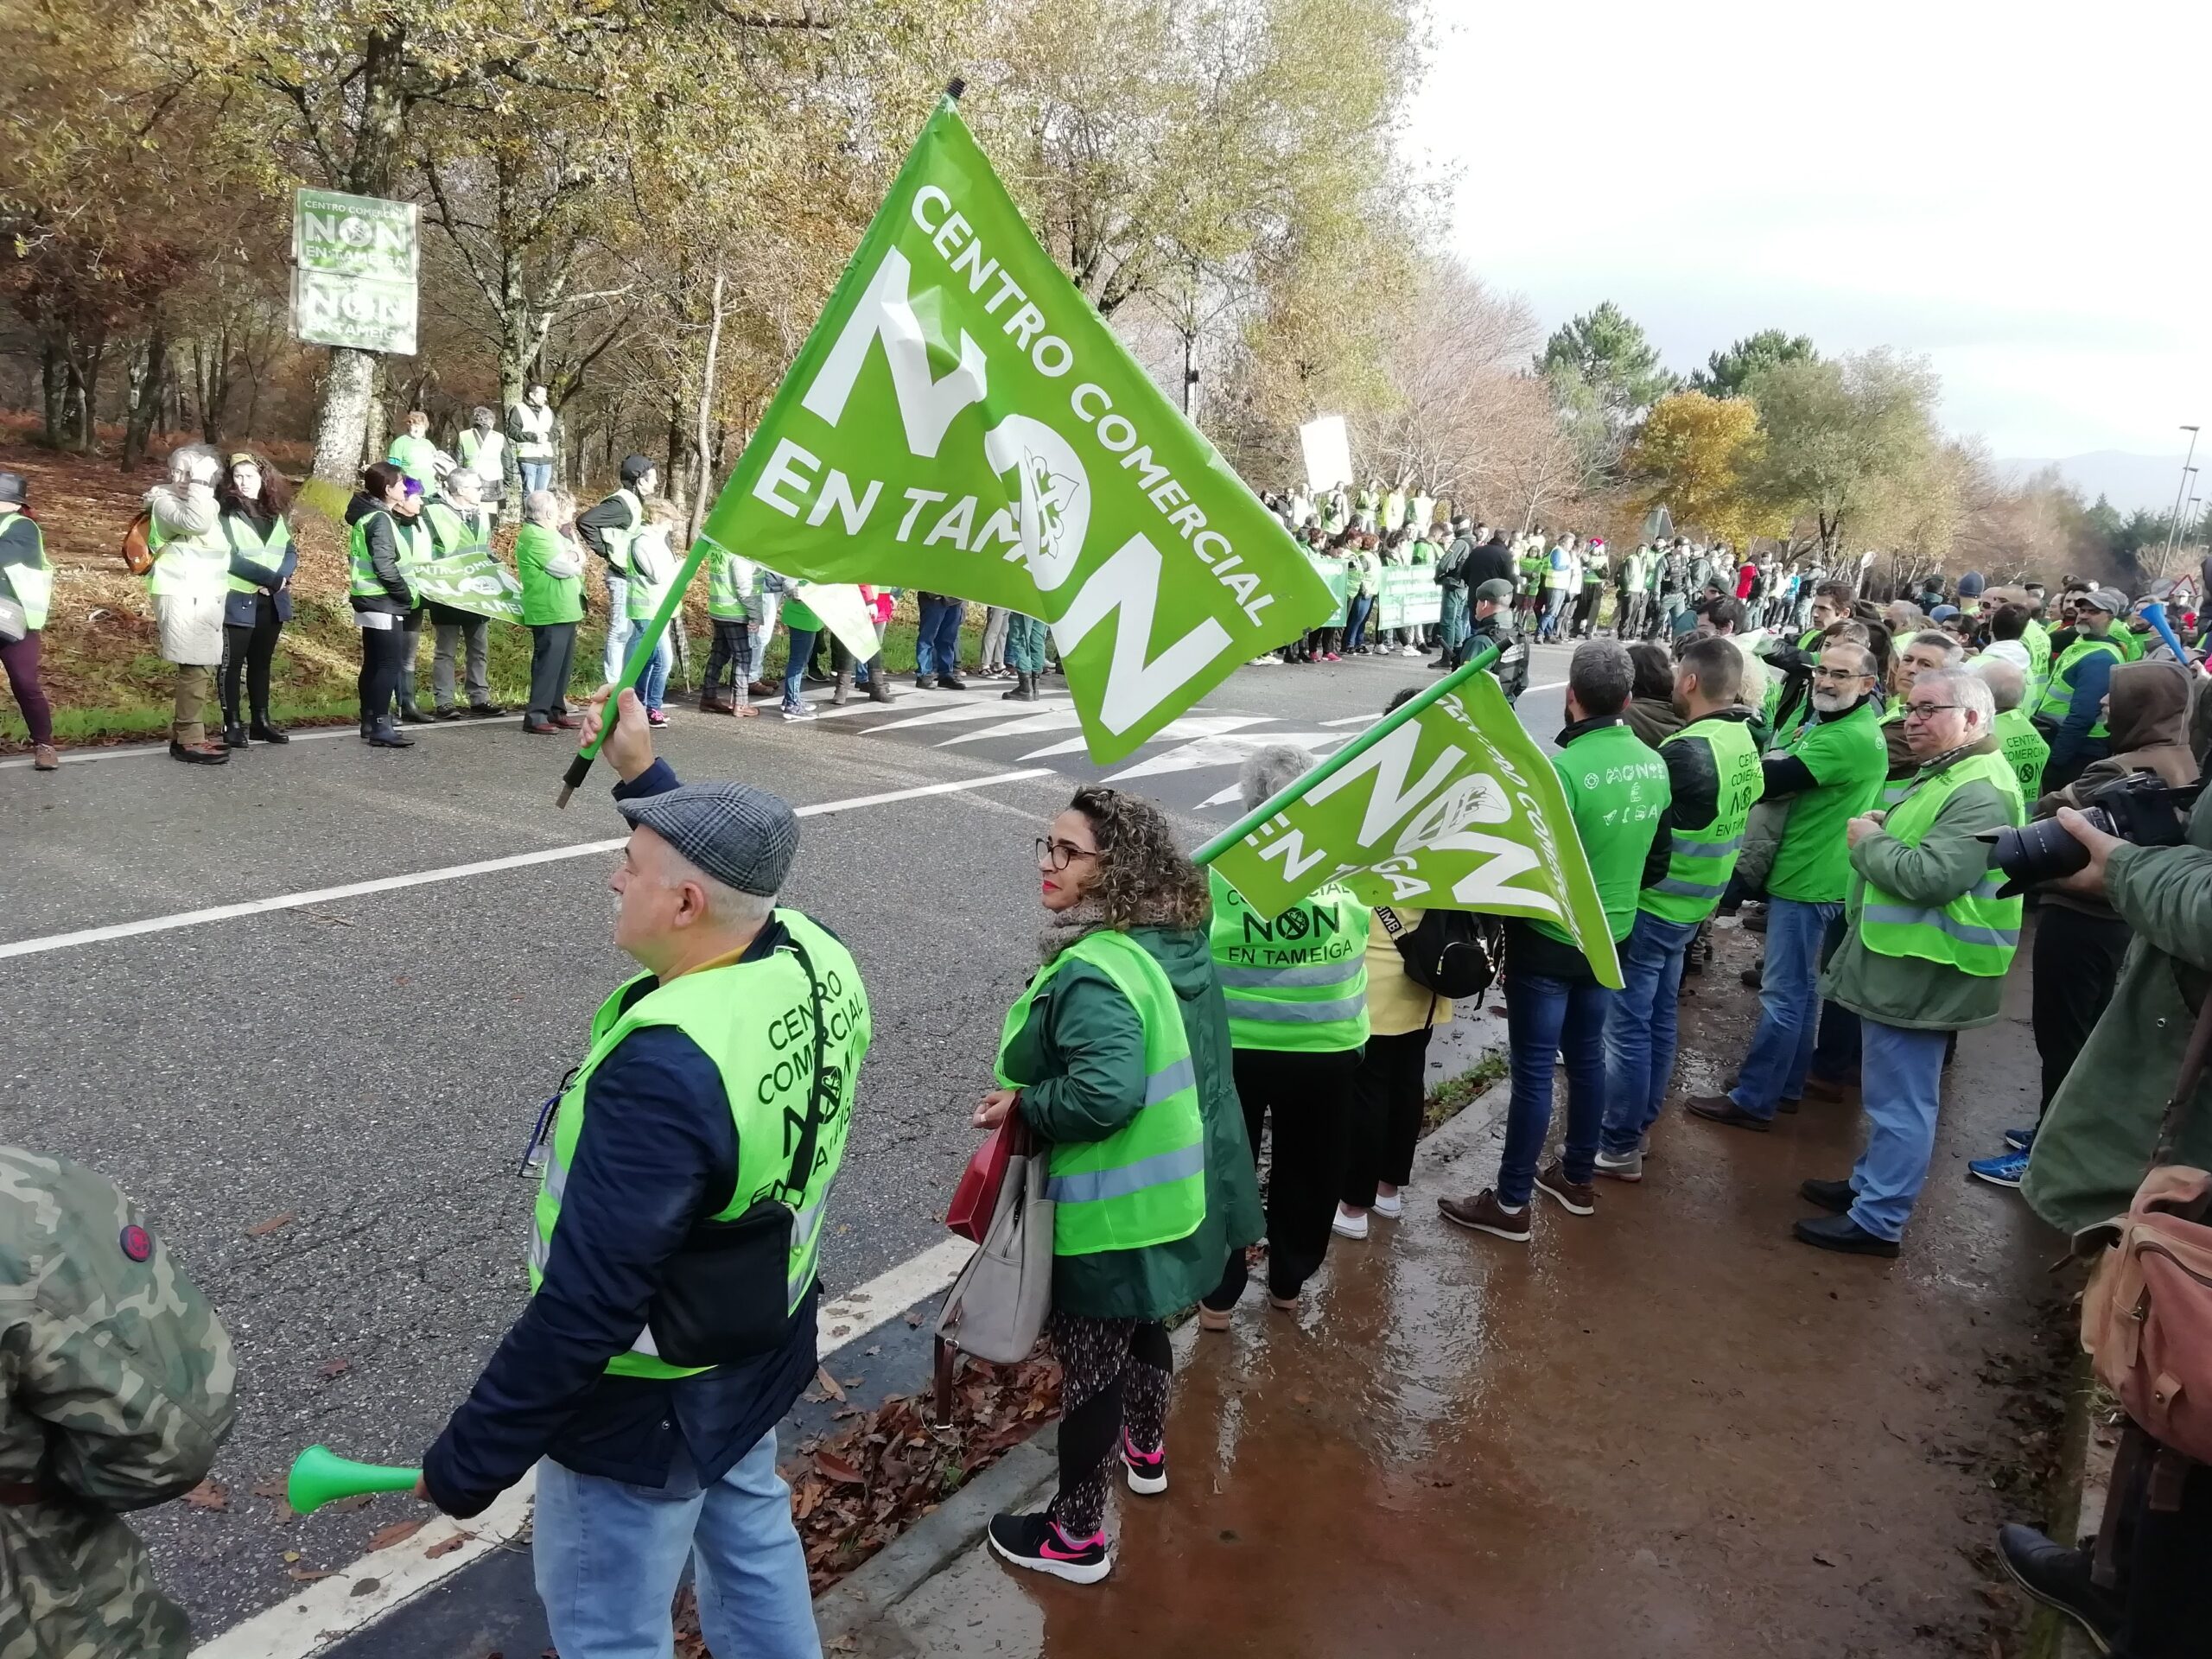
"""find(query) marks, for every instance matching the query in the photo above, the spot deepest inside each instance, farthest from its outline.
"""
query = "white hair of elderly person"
(1266, 772)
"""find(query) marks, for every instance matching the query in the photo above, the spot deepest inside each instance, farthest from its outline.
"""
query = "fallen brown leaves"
(263, 1229)
(855, 1490)
(398, 1533)
(209, 1495)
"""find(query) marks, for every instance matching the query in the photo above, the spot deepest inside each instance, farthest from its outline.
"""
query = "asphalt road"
(321, 1107)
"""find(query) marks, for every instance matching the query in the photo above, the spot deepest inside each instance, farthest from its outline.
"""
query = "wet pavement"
(1664, 1430)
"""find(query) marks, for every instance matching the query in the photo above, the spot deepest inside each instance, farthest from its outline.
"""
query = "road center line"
(452, 873)
(329, 1611)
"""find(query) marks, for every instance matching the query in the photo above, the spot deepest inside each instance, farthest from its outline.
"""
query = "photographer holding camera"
(2097, 1139)
(2079, 939)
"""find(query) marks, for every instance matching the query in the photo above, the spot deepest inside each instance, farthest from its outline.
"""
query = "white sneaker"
(1411, 651)
(1346, 1226)
(1269, 661)
(1390, 1205)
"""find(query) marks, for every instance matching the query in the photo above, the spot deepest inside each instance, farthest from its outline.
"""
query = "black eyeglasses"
(1823, 672)
(1926, 710)
(1058, 855)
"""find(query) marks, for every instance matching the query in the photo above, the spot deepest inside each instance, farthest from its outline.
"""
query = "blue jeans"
(618, 628)
(1789, 1001)
(1547, 1019)
(1640, 1028)
(937, 647)
(607, 1557)
(536, 475)
(1901, 1084)
(1554, 606)
(800, 643)
(1355, 630)
(652, 679)
(1452, 624)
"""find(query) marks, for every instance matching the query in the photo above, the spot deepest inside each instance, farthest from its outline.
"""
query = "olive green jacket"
(1911, 992)
(2096, 1139)
(1084, 1043)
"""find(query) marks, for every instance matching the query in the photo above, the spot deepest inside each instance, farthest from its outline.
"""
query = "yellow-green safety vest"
(187, 564)
(755, 1021)
(32, 584)
(414, 541)
(1976, 932)
(727, 581)
(2025, 751)
(267, 552)
(1296, 983)
(2036, 638)
(454, 533)
(1702, 860)
(2058, 690)
(1146, 1183)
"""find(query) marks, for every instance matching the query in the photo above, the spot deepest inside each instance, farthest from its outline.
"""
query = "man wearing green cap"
(687, 1162)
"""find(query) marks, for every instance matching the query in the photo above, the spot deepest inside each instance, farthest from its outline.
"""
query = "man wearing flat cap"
(2071, 715)
(686, 1167)
(1493, 614)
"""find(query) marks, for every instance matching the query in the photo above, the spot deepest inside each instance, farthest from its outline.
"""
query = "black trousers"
(1113, 1372)
(1307, 1097)
(2165, 1539)
(387, 662)
(727, 651)
(1387, 1100)
(252, 649)
(552, 659)
(2077, 960)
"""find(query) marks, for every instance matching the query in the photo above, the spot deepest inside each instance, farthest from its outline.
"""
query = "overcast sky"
(2010, 190)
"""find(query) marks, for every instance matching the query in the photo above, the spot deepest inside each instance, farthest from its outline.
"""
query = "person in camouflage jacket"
(115, 1388)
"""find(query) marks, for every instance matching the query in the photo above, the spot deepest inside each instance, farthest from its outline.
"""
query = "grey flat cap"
(2110, 600)
(1497, 590)
(742, 837)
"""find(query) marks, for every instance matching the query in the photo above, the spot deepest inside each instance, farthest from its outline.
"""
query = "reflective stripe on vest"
(32, 584)
(1976, 932)
(268, 554)
(754, 1021)
(2036, 638)
(453, 532)
(1144, 1184)
(2058, 694)
(1701, 862)
(1297, 983)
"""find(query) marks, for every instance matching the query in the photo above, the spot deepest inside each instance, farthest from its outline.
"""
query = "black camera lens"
(2043, 851)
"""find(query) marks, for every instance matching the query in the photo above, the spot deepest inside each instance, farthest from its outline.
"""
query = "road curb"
(939, 1538)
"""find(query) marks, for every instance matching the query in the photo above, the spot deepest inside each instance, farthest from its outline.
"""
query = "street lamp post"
(2173, 527)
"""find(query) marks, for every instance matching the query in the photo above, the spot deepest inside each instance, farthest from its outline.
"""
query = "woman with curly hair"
(1117, 1055)
(254, 500)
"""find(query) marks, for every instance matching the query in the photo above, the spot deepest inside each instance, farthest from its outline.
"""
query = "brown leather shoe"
(1576, 1198)
(1484, 1214)
(745, 711)
(1821, 1089)
(1719, 1108)
(45, 758)
(202, 753)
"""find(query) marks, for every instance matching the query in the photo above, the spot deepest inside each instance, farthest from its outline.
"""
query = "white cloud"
(2010, 190)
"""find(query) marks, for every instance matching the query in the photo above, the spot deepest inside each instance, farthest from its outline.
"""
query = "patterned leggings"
(1112, 1372)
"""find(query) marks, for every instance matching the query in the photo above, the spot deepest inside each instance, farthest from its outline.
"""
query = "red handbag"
(975, 1201)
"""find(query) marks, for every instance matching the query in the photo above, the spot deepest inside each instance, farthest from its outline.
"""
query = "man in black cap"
(687, 1164)
(1493, 612)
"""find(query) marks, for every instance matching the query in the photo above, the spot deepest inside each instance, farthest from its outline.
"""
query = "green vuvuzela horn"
(320, 1475)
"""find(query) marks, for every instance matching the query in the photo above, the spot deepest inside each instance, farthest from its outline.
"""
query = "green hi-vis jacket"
(1298, 982)
(1145, 1183)
(755, 1021)
(1081, 1051)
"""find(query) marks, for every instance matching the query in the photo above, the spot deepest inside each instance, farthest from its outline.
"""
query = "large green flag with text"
(469, 582)
(961, 421)
(1446, 804)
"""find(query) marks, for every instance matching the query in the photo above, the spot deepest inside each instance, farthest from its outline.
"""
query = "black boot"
(879, 683)
(413, 714)
(386, 735)
(1024, 687)
(924, 682)
(266, 730)
(234, 735)
(844, 683)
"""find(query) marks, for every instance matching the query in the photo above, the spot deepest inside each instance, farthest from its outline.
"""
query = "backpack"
(1454, 953)
(137, 554)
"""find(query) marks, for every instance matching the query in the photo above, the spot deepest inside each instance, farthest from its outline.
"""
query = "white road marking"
(451, 873)
(1184, 728)
(1229, 749)
(328, 1611)
(140, 751)
(1020, 725)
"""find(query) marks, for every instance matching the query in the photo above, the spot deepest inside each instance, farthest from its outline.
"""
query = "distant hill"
(2128, 481)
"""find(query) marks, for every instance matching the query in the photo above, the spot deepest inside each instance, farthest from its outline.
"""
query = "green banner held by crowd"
(1446, 804)
(469, 582)
(961, 421)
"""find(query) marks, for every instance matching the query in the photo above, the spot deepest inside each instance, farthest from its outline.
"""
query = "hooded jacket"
(2149, 721)
(1086, 1044)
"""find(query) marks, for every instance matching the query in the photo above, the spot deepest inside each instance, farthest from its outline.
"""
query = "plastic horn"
(2156, 616)
(320, 1475)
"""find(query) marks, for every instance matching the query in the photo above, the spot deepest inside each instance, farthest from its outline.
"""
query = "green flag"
(468, 582)
(961, 421)
(1447, 803)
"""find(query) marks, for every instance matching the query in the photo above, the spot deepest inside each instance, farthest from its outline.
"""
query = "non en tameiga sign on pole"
(962, 421)
(354, 261)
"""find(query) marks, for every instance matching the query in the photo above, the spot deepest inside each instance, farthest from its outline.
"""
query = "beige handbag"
(996, 1308)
